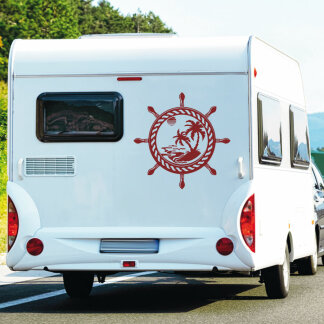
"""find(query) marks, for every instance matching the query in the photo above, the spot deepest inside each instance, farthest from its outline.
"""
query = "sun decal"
(185, 148)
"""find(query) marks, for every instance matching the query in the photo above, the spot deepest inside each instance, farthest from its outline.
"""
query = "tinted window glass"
(299, 142)
(79, 117)
(269, 120)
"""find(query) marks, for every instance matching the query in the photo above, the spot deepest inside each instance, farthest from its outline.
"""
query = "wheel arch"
(317, 231)
(290, 244)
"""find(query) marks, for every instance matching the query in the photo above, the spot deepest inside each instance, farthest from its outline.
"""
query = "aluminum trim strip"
(95, 75)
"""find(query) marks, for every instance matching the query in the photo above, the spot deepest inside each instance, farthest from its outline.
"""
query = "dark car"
(319, 208)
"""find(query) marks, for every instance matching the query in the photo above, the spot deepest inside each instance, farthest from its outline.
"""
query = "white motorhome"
(137, 153)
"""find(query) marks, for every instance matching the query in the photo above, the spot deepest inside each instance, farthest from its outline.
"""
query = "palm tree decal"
(195, 128)
(182, 137)
(194, 132)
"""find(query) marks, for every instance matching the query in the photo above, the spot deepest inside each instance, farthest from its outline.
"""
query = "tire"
(323, 260)
(78, 284)
(308, 265)
(277, 278)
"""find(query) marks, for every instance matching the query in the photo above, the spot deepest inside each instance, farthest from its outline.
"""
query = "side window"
(78, 117)
(269, 128)
(299, 142)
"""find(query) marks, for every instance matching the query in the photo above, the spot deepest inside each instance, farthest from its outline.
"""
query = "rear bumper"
(180, 249)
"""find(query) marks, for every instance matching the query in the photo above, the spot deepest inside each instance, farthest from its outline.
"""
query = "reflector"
(224, 246)
(35, 246)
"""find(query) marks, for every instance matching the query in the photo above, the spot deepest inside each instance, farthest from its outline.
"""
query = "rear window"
(269, 128)
(299, 142)
(75, 117)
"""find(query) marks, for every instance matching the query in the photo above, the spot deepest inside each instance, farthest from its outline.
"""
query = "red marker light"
(129, 264)
(129, 79)
(224, 246)
(255, 72)
(35, 246)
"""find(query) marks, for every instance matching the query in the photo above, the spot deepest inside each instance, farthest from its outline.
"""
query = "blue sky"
(294, 26)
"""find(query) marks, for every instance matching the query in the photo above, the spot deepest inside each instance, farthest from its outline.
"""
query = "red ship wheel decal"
(193, 144)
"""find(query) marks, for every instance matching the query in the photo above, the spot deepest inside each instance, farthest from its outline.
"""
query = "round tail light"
(35, 246)
(224, 246)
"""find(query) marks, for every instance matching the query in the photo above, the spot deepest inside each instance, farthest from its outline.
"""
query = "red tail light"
(129, 264)
(13, 223)
(248, 223)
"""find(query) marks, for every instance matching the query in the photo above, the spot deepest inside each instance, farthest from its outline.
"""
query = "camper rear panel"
(108, 184)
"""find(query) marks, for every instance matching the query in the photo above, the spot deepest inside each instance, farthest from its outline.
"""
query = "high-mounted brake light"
(13, 223)
(129, 79)
(247, 223)
(35, 246)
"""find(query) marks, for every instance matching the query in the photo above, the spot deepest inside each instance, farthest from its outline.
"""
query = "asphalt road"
(168, 298)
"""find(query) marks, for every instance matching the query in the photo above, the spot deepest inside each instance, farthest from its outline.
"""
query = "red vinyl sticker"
(182, 140)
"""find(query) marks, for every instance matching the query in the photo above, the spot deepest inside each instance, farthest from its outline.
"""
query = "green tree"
(3, 111)
(85, 16)
(52, 19)
(108, 20)
(148, 23)
(3, 61)
(105, 19)
(36, 19)
(28, 19)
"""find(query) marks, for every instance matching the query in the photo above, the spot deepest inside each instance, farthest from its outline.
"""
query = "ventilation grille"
(54, 166)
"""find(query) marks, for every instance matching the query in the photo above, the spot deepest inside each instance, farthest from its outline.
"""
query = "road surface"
(165, 298)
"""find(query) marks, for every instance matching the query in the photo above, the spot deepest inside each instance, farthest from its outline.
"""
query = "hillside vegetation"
(3, 165)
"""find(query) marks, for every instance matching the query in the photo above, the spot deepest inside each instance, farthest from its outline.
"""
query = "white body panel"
(111, 195)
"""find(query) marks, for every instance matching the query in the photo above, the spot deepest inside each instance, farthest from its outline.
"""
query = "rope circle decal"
(182, 152)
